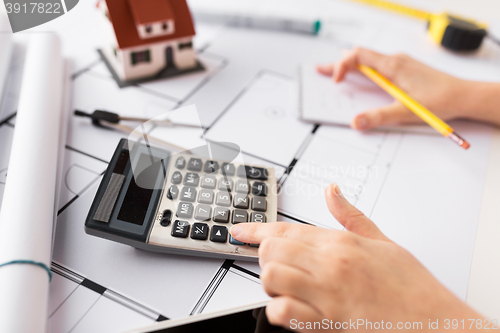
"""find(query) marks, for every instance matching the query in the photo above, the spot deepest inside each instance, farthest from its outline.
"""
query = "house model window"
(147, 37)
(138, 57)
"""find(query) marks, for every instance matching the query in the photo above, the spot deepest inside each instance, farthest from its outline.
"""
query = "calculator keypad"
(206, 197)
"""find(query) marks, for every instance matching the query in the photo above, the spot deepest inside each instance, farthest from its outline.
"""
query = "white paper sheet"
(27, 215)
(321, 101)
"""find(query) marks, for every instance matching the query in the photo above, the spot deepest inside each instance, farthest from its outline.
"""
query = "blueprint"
(246, 96)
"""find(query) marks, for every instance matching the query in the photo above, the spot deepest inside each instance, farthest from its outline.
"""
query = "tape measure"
(452, 32)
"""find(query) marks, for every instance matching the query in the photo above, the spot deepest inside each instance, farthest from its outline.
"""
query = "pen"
(417, 108)
(299, 25)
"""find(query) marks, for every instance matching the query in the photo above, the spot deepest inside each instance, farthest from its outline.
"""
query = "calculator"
(180, 203)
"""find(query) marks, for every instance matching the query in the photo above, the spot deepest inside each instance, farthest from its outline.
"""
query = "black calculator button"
(166, 218)
(176, 177)
(206, 196)
(228, 169)
(191, 179)
(254, 245)
(199, 231)
(180, 163)
(259, 204)
(225, 184)
(194, 164)
(188, 194)
(259, 188)
(218, 234)
(235, 241)
(223, 199)
(180, 229)
(251, 172)
(208, 182)
(221, 214)
(241, 201)
(242, 186)
(211, 167)
(173, 192)
(185, 210)
(257, 217)
(240, 216)
(203, 213)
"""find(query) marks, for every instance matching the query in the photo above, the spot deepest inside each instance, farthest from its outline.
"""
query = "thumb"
(350, 217)
(391, 114)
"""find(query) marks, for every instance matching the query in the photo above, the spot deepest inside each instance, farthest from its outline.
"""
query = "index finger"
(254, 233)
(358, 56)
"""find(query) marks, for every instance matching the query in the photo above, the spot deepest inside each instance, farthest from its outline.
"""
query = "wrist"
(479, 101)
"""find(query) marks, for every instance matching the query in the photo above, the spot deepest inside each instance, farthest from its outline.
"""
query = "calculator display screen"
(138, 196)
(136, 203)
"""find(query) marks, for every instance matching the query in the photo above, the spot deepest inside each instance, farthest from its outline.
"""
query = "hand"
(315, 274)
(446, 96)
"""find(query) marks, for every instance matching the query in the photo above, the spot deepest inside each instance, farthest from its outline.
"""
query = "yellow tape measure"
(452, 32)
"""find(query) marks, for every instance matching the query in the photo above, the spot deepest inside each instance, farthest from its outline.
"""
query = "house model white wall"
(144, 37)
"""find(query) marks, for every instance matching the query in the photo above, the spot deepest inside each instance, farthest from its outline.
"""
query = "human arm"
(315, 274)
(446, 96)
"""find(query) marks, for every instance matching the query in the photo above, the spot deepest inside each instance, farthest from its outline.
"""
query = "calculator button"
(188, 194)
(240, 216)
(185, 209)
(211, 166)
(254, 245)
(180, 229)
(242, 186)
(203, 213)
(173, 192)
(166, 218)
(180, 163)
(259, 188)
(199, 231)
(176, 177)
(225, 184)
(235, 241)
(194, 164)
(223, 199)
(191, 179)
(241, 201)
(257, 217)
(206, 196)
(251, 172)
(218, 234)
(208, 182)
(228, 169)
(259, 204)
(221, 214)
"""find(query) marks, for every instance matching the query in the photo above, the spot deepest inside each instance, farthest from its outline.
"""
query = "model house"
(145, 38)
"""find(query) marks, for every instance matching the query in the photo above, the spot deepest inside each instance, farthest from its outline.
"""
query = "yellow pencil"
(417, 108)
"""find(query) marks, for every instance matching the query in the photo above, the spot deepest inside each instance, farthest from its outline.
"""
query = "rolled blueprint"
(28, 211)
(6, 46)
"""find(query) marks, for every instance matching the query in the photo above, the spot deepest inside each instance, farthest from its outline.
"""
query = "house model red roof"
(149, 11)
(125, 15)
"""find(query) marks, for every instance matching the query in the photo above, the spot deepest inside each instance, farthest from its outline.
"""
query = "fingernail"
(336, 188)
(361, 122)
(236, 230)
